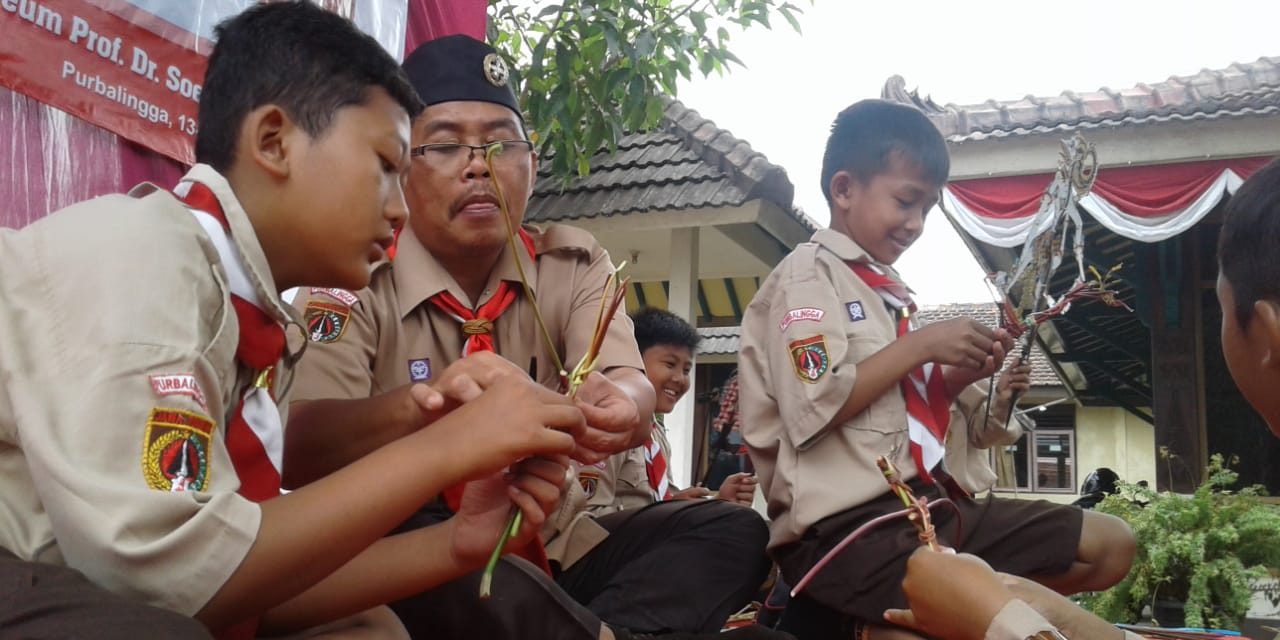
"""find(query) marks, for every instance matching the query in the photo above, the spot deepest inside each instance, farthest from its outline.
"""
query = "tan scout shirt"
(621, 481)
(968, 438)
(803, 335)
(391, 335)
(119, 346)
(394, 336)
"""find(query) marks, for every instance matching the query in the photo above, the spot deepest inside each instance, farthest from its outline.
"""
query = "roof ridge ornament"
(895, 90)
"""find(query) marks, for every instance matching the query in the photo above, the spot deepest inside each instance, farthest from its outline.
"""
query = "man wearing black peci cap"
(453, 291)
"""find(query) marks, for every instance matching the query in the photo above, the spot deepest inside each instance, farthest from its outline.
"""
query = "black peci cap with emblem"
(459, 68)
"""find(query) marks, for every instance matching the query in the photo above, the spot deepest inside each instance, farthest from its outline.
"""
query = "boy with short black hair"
(835, 373)
(667, 344)
(153, 324)
(942, 589)
(1249, 290)
(653, 527)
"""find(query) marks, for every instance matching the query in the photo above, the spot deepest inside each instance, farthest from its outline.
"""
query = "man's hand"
(952, 597)
(739, 488)
(533, 485)
(1015, 380)
(611, 416)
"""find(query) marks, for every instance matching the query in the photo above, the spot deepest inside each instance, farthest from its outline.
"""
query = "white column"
(683, 301)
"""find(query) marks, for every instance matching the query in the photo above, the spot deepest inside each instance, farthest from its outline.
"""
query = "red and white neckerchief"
(478, 324)
(478, 327)
(655, 466)
(255, 437)
(924, 390)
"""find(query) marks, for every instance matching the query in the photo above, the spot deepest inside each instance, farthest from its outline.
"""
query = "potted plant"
(1200, 550)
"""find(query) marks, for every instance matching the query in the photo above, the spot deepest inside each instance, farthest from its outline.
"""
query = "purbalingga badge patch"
(175, 450)
(326, 322)
(809, 357)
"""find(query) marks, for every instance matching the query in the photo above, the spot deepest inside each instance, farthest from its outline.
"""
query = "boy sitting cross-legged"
(835, 373)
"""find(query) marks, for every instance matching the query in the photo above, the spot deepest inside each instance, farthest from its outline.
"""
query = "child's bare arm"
(959, 342)
(877, 375)
(308, 534)
(326, 435)
(409, 563)
(1015, 380)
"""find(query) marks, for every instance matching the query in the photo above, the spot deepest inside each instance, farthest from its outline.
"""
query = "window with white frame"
(1043, 460)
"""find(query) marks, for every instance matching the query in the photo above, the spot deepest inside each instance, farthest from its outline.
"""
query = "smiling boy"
(835, 373)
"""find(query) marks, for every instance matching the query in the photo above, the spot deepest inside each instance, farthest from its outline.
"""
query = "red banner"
(98, 66)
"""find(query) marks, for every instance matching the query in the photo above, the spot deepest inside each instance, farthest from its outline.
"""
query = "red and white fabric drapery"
(1146, 203)
(51, 159)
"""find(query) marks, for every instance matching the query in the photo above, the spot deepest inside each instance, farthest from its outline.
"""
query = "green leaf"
(611, 40)
(653, 112)
(791, 19)
(646, 42)
(699, 21)
(706, 63)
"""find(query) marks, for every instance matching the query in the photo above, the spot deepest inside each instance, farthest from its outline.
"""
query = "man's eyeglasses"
(453, 155)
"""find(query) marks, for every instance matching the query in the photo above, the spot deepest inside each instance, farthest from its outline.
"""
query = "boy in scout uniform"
(453, 289)
(1249, 292)
(718, 546)
(146, 347)
(835, 373)
(639, 477)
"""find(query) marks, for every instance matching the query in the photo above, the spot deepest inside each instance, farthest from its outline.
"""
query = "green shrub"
(1202, 549)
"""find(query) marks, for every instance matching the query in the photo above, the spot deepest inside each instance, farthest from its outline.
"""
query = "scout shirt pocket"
(882, 426)
(878, 416)
(632, 490)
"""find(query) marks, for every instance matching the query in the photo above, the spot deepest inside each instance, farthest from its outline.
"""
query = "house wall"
(1114, 438)
(1106, 437)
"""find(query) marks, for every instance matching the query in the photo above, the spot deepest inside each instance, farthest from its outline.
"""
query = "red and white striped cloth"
(655, 466)
(924, 390)
(255, 436)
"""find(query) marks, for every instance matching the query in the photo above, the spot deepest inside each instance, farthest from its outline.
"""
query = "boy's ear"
(841, 187)
(1266, 314)
(265, 139)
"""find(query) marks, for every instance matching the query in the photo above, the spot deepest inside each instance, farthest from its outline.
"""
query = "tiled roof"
(719, 340)
(1240, 90)
(1042, 374)
(725, 340)
(688, 163)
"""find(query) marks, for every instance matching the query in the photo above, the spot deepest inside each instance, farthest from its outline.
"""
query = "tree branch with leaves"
(589, 71)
